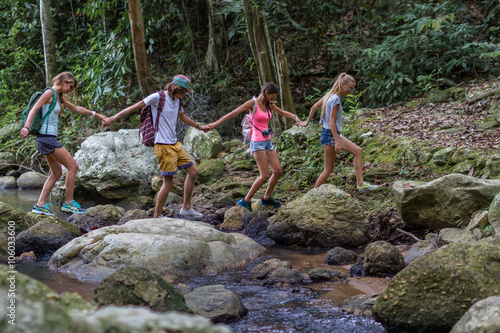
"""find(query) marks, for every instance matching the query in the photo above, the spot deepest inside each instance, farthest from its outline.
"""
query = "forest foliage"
(395, 50)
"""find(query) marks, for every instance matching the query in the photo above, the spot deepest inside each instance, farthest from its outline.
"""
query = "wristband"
(26, 127)
(93, 113)
(197, 126)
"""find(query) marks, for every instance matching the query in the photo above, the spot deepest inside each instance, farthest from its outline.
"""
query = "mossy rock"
(447, 95)
(434, 291)
(210, 170)
(21, 220)
(228, 145)
(243, 165)
(139, 286)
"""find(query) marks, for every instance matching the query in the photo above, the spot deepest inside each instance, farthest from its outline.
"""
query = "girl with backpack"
(331, 139)
(260, 146)
(48, 146)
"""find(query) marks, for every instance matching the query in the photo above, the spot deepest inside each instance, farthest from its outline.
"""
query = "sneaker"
(43, 210)
(367, 187)
(73, 207)
(190, 213)
(244, 204)
(270, 201)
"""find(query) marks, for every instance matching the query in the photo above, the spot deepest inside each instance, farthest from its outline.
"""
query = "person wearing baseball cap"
(171, 156)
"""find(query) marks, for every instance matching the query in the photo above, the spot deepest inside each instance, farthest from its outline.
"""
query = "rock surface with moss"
(325, 216)
(203, 145)
(434, 291)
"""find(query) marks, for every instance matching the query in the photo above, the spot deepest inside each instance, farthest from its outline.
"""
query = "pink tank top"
(260, 122)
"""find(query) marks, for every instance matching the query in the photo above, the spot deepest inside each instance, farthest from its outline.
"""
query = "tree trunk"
(260, 43)
(139, 46)
(48, 42)
(283, 74)
(216, 37)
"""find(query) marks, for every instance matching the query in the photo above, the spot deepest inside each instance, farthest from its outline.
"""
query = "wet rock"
(45, 237)
(494, 214)
(379, 259)
(257, 228)
(134, 214)
(444, 202)
(27, 256)
(432, 293)
(7, 182)
(418, 250)
(139, 286)
(15, 218)
(360, 305)
(216, 303)
(454, 235)
(321, 274)
(31, 179)
(483, 316)
(233, 218)
(274, 272)
(172, 248)
(97, 217)
(200, 144)
(324, 217)
(340, 256)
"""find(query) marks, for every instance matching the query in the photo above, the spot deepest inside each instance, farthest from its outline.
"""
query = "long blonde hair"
(69, 78)
(342, 78)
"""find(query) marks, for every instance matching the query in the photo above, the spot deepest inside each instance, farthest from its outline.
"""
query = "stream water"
(312, 309)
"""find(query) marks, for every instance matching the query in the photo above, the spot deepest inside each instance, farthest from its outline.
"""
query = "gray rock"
(418, 250)
(172, 248)
(200, 144)
(257, 229)
(45, 237)
(379, 259)
(7, 182)
(479, 219)
(456, 235)
(233, 218)
(320, 274)
(134, 214)
(298, 135)
(226, 146)
(432, 293)
(445, 202)
(216, 303)
(482, 317)
(139, 286)
(359, 305)
(494, 214)
(274, 272)
(443, 156)
(325, 216)
(97, 217)
(340, 256)
(31, 179)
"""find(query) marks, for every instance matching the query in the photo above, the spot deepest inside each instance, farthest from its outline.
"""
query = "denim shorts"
(46, 144)
(326, 137)
(261, 145)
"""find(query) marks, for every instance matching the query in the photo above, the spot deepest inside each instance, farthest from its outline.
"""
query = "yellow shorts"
(171, 158)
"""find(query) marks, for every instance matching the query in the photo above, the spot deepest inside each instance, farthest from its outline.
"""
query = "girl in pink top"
(261, 146)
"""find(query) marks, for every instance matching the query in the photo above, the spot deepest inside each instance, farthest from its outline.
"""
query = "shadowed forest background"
(396, 51)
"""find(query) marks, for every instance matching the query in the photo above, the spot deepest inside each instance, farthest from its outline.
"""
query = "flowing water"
(314, 308)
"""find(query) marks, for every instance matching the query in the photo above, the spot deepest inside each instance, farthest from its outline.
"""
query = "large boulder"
(325, 216)
(216, 303)
(483, 316)
(97, 217)
(434, 291)
(30, 180)
(139, 286)
(171, 248)
(203, 145)
(116, 165)
(45, 237)
(446, 202)
(298, 135)
(15, 219)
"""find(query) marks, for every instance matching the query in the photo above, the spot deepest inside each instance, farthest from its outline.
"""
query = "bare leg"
(329, 155)
(168, 181)
(192, 172)
(273, 160)
(262, 163)
(358, 158)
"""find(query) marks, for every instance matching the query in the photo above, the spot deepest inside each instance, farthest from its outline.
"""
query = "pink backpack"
(148, 127)
(246, 124)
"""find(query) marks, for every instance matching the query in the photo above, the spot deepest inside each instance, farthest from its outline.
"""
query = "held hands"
(204, 128)
(106, 121)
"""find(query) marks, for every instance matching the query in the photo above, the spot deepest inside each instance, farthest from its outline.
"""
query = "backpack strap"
(51, 107)
(161, 104)
(254, 108)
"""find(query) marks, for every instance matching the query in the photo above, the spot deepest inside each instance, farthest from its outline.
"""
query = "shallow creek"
(313, 308)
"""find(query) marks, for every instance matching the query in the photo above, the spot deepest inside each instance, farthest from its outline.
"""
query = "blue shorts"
(261, 145)
(46, 144)
(326, 137)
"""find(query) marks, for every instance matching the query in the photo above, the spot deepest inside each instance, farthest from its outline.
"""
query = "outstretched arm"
(284, 113)
(124, 112)
(245, 106)
(81, 109)
(186, 120)
(313, 111)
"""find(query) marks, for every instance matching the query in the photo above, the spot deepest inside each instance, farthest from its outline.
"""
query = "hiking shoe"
(244, 204)
(43, 210)
(367, 187)
(190, 213)
(73, 207)
(270, 201)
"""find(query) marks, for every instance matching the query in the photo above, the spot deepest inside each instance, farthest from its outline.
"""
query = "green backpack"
(38, 119)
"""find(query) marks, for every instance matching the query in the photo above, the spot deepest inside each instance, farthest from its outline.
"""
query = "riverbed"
(313, 308)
